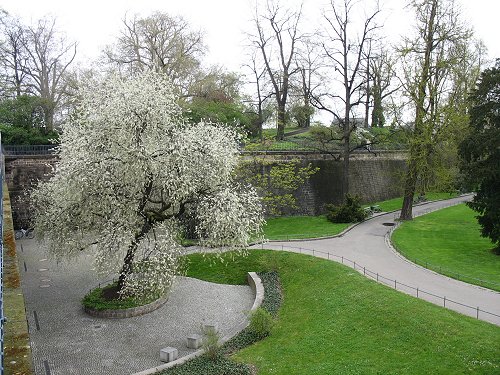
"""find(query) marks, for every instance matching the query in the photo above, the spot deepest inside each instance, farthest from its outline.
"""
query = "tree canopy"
(481, 152)
(133, 175)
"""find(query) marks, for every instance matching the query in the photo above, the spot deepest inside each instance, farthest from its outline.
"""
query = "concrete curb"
(127, 313)
(257, 287)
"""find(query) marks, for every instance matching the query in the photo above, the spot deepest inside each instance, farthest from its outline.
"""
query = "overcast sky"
(93, 24)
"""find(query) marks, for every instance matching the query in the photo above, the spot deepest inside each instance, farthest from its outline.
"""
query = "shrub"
(12, 135)
(211, 345)
(261, 322)
(348, 212)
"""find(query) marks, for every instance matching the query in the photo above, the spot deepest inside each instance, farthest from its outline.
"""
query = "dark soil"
(110, 293)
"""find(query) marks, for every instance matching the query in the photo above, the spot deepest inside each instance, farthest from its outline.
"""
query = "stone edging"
(127, 313)
(257, 287)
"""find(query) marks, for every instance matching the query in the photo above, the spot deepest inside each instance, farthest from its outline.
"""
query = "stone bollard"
(210, 327)
(194, 341)
(168, 354)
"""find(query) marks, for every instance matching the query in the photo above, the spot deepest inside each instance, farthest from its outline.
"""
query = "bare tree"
(12, 55)
(161, 43)
(346, 57)
(258, 72)
(381, 76)
(49, 56)
(308, 62)
(276, 39)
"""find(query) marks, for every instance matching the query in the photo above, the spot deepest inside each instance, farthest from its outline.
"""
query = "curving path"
(368, 245)
(66, 341)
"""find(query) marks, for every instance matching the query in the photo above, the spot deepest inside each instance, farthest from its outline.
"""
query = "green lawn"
(396, 203)
(450, 238)
(297, 227)
(335, 321)
(300, 227)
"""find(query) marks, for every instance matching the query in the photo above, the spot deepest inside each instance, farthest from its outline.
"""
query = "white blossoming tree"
(130, 174)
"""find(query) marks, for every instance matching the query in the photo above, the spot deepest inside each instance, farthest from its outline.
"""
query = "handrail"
(17, 150)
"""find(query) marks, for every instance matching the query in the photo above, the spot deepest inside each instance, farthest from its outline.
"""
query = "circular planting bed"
(105, 303)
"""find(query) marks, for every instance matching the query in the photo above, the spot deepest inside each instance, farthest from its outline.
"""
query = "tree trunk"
(48, 114)
(280, 135)
(410, 185)
(414, 166)
(368, 94)
(377, 111)
(346, 155)
(127, 265)
(345, 170)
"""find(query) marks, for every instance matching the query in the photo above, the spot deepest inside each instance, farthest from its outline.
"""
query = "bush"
(211, 343)
(348, 212)
(13, 135)
(261, 322)
(204, 365)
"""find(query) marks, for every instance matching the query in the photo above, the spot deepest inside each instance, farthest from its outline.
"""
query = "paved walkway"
(367, 244)
(66, 341)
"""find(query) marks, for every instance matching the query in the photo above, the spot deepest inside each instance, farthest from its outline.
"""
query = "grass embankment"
(335, 321)
(298, 227)
(397, 203)
(302, 227)
(449, 242)
(17, 359)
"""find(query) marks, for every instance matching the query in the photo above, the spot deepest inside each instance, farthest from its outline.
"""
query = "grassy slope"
(335, 321)
(296, 227)
(396, 203)
(450, 238)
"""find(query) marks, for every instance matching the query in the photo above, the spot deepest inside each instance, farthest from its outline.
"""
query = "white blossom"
(130, 172)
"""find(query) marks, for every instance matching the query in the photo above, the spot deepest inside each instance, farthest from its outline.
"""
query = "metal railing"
(311, 145)
(18, 150)
(439, 268)
(451, 273)
(475, 311)
(2, 317)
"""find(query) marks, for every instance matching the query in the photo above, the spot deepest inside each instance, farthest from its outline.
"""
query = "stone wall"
(372, 176)
(21, 174)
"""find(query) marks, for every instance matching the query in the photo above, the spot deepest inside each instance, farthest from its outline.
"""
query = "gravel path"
(367, 244)
(67, 341)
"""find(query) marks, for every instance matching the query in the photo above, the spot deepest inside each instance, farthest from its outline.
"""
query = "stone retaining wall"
(21, 174)
(374, 177)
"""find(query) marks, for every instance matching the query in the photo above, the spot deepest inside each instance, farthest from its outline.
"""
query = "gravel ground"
(67, 341)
